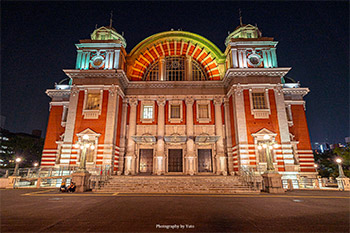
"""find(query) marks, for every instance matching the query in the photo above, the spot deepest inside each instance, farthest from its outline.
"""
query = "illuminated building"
(176, 104)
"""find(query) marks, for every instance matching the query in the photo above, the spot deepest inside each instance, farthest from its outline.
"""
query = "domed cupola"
(107, 33)
(244, 31)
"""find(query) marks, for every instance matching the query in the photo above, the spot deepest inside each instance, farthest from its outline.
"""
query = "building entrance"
(146, 160)
(175, 160)
(205, 160)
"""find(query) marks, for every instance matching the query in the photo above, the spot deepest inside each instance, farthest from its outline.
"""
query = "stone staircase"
(176, 184)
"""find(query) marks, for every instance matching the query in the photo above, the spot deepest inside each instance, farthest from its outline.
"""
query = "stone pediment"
(263, 132)
(88, 132)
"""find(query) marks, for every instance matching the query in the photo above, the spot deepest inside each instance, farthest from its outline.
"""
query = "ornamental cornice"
(296, 91)
(175, 84)
(237, 72)
(119, 74)
(58, 93)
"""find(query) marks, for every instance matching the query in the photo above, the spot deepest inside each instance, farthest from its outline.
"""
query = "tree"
(327, 164)
(344, 154)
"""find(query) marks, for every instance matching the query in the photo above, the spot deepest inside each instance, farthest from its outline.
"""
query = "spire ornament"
(240, 17)
(111, 20)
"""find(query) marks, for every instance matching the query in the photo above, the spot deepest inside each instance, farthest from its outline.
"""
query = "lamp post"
(83, 144)
(272, 179)
(268, 145)
(81, 176)
(341, 172)
(15, 172)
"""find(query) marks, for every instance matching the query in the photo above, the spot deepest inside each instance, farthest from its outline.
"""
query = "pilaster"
(220, 155)
(228, 135)
(122, 137)
(71, 116)
(160, 161)
(241, 126)
(284, 129)
(190, 154)
(130, 154)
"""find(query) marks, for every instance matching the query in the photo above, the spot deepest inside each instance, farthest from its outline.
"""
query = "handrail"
(250, 178)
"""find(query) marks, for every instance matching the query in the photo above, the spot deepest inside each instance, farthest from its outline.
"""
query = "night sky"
(38, 41)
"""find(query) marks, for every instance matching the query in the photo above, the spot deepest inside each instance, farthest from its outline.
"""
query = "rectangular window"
(93, 101)
(203, 111)
(175, 111)
(259, 101)
(249, 35)
(147, 112)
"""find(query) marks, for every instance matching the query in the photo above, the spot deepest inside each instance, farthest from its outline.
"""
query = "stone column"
(234, 58)
(190, 153)
(160, 158)
(245, 64)
(122, 137)
(228, 136)
(188, 68)
(130, 153)
(162, 68)
(220, 155)
(274, 57)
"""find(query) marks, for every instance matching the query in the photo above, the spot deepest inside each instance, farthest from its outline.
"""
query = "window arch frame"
(189, 71)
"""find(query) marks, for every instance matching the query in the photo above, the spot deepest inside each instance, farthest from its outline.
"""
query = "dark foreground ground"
(298, 211)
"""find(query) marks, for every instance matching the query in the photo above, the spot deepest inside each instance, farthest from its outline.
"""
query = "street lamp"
(18, 160)
(268, 145)
(35, 164)
(341, 172)
(83, 144)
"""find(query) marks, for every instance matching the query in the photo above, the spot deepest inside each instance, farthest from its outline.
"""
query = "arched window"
(152, 72)
(198, 73)
(176, 69)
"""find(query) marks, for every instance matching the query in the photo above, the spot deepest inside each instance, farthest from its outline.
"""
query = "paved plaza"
(42, 210)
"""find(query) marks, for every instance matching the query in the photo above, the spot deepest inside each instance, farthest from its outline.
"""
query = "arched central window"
(175, 68)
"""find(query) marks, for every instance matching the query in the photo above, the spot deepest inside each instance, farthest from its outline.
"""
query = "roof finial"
(240, 17)
(111, 20)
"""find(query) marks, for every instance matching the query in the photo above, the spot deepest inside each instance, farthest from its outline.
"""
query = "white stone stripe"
(304, 151)
(65, 160)
(49, 150)
(304, 155)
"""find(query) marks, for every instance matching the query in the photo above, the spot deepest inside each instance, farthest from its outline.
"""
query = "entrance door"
(175, 160)
(146, 160)
(204, 160)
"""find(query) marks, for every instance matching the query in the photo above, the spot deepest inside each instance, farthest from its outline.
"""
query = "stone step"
(175, 184)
